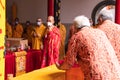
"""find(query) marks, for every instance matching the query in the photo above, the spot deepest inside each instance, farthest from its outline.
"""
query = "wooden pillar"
(50, 7)
(14, 11)
(117, 12)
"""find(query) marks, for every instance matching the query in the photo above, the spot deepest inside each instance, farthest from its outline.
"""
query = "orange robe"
(27, 34)
(8, 30)
(51, 47)
(62, 43)
(37, 42)
(94, 54)
(112, 31)
(18, 31)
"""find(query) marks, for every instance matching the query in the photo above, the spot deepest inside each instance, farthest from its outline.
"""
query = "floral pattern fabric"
(95, 55)
(112, 31)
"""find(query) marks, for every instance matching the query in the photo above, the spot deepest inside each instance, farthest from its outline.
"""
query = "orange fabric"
(62, 43)
(8, 30)
(51, 47)
(37, 41)
(28, 35)
(94, 54)
(74, 73)
(18, 31)
(112, 31)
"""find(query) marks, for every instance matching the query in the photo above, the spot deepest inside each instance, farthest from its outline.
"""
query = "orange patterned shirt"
(112, 30)
(94, 54)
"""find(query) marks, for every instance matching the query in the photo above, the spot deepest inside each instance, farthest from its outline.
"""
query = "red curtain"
(50, 7)
(117, 12)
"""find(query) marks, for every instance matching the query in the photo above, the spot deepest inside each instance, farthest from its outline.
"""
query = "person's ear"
(101, 20)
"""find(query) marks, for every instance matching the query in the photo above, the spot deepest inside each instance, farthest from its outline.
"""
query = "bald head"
(50, 19)
(39, 20)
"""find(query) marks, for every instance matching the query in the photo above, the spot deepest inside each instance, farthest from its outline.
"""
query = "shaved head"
(39, 20)
(50, 19)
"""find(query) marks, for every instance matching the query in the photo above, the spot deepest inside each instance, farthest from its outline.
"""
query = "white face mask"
(38, 23)
(49, 24)
(16, 22)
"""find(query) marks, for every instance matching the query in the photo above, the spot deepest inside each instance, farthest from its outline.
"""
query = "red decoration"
(117, 12)
(1, 47)
(0, 74)
(0, 31)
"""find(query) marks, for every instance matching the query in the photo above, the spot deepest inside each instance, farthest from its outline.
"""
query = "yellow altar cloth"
(47, 73)
(20, 62)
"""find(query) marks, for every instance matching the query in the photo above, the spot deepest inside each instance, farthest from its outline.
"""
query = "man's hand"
(62, 66)
(42, 46)
(57, 65)
(35, 34)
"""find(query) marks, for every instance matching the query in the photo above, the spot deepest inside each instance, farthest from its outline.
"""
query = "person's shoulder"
(56, 30)
(77, 36)
(117, 25)
(97, 29)
(20, 25)
(99, 32)
(43, 26)
(79, 33)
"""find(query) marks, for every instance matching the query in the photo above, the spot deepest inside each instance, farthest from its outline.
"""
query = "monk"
(18, 29)
(111, 29)
(62, 29)
(73, 30)
(93, 52)
(8, 30)
(27, 32)
(38, 35)
(51, 44)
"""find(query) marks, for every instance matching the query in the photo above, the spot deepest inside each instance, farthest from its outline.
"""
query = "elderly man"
(51, 44)
(92, 51)
(111, 29)
(38, 35)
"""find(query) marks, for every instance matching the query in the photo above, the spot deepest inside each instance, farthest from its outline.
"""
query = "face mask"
(16, 22)
(49, 24)
(38, 23)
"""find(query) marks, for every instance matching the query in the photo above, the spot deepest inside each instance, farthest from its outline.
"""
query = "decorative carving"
(99, 7)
